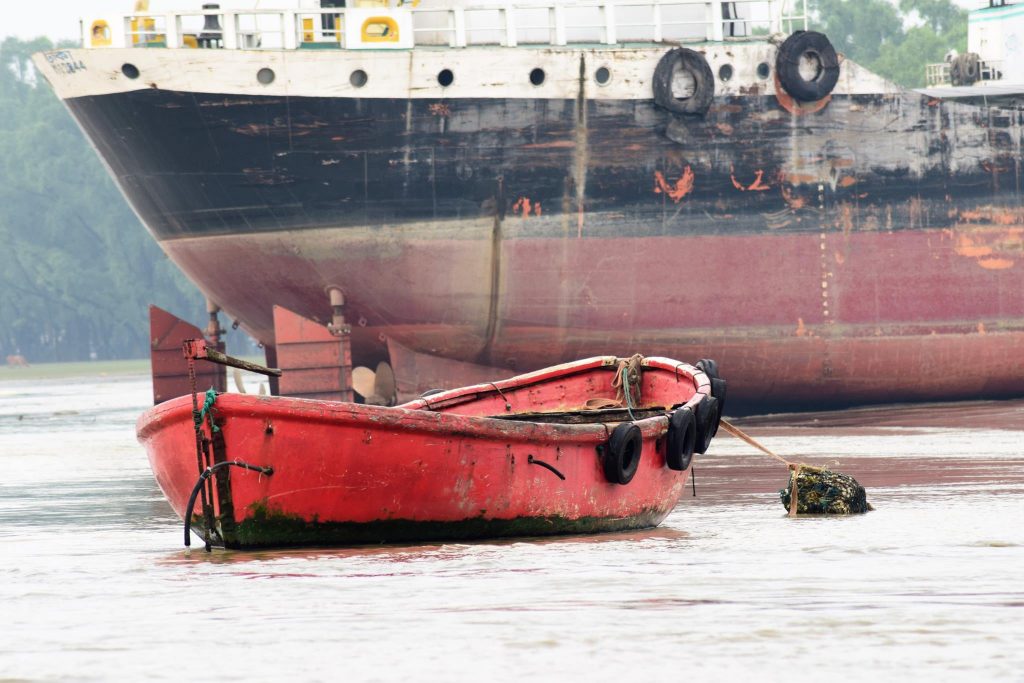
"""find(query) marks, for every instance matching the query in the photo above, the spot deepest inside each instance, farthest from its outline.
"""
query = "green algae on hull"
(268, 528)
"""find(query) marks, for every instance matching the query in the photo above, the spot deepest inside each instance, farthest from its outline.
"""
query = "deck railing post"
(610, 34)
(289, 30)
(171, 33)
(459, 38)
(230, 30)
(715, 21)
(657, 22)
(559, 17)
(511, 39)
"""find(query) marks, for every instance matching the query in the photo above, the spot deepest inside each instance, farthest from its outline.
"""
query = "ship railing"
(553, 23)
(940, 74)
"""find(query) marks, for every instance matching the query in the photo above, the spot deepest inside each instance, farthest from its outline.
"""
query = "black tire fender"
(709, 413)
(703, 82)
(718, 390)
(681, 439)
(620, 457)
(787, 66)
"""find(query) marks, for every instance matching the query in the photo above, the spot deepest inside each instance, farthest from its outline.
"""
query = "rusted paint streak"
(524, 207)
(757, 186)
(675, 191)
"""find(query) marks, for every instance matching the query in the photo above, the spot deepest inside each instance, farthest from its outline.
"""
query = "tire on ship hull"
(809, 44)
(697, 67)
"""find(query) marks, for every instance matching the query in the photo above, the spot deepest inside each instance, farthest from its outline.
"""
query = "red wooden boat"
(602, 444)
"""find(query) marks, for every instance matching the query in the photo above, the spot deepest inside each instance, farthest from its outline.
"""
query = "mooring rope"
(794, 467)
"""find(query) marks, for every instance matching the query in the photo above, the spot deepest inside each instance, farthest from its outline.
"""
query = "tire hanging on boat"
(816, 47)
(697, 67)
(718, 388)
(681, 439)
(709, 414)
(620, 457)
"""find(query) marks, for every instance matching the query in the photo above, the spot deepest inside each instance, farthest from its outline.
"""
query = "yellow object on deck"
(380, 30)
(100, 33)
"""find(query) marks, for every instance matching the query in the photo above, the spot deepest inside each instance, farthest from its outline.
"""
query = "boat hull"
(436, 470)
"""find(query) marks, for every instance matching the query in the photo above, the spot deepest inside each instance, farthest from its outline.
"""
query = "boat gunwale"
(418, 419)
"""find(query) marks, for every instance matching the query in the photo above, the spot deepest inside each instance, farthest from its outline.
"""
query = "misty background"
(78, 270)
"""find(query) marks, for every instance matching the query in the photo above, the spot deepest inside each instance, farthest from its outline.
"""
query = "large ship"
(512, 186)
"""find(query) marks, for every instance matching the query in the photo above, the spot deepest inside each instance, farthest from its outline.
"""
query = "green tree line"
(894, 39)
(77, 269)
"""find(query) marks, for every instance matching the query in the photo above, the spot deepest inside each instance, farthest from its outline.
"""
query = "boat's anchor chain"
(207, 473)
(534, 461)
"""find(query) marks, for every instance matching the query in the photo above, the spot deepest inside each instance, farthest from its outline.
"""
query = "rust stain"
(995, 263)
(757, 186)
(725, 128)
(556, 144)
(677, 191)
(846, 218)
(847, 181)
(440, 109)
(524, 207)
(915, 209)
(798, 108)
(992, 248)
(795, 203)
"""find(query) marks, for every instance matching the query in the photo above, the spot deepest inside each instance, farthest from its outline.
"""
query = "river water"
(95, 585)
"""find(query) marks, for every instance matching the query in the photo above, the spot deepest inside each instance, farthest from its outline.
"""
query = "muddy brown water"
(94, 584)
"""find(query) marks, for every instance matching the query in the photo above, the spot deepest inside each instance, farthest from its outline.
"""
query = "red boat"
(602, 444)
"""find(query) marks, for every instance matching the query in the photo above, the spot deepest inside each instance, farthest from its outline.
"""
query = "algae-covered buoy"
(820, 491)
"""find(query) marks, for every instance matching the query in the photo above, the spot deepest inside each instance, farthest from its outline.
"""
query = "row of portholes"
(725, 71)
(445, 77)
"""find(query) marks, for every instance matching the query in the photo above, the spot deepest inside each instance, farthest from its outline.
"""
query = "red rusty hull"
(833, 319)
(433, 469)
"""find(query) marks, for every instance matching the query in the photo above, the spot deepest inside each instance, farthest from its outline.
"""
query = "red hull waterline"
(519, 457)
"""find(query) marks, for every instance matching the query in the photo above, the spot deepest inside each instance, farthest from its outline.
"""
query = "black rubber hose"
(207, 473)
(534, 461)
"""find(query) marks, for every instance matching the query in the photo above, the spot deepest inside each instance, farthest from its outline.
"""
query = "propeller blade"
(239, 384)
(363, 380)
(384, 385)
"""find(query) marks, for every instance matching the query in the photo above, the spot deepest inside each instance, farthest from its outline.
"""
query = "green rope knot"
(211, 398)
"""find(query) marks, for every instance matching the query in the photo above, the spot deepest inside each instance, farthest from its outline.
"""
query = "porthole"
(130, 70)
(445, 77)
(537, 76)
(265, 76)
(725, 72)
(763, 70)
(358, 78)
(602, 75)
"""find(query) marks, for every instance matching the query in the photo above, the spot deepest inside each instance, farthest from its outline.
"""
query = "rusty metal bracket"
(200, 348)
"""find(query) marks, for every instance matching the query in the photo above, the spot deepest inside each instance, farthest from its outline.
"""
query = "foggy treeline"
(77, 269)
